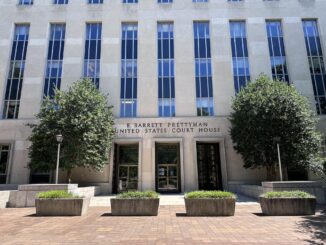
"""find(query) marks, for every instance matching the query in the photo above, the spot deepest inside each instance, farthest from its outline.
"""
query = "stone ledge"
(47, 187)
(26, 194)
(313, 187)
(89, 191)
(292, 184)
(7, 187)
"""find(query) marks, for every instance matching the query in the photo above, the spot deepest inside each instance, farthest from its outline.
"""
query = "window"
(164, 1)
(54, 59)
(316, 63)
(199, 1)
(60, 1)
(166, 93)
(128, 95)
(277, 51)
(25, 2)
(130, 1)
(241, 72)
(4, 162)
(95, 1)
(92, 55)
(16, 72)
(203, 69)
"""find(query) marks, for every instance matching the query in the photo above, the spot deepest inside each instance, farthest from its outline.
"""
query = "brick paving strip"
(171, 226)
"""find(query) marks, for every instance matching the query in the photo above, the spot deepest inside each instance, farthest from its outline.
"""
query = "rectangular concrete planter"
(288, 206)
(61, 206)
(315, 188)
(135, 207)
(210, 206)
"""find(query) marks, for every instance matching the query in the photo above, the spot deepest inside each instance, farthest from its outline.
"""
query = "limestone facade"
(148, 129)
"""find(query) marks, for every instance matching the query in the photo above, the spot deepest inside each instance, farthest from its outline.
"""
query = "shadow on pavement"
(181, 214)
(31, 215)
(315, 226)
(106, 215)
(260, 214)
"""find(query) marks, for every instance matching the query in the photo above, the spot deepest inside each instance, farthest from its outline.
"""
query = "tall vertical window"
(60, 1)
(4, 162)
(128, 95)
(54, 60)
(92, 55)
(130, 1)
(240, 61)
(316, 63)
(25, 2)
(277, 51)
(95, 1)
(203, 69)
(166, 93)
(16, 72)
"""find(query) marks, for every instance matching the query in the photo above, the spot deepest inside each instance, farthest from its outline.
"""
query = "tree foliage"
(83, 117)
(266, 109)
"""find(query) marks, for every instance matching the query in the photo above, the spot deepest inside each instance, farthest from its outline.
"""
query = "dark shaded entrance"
(167, 167)
(209, 166)
(297, 173)
(125, 169)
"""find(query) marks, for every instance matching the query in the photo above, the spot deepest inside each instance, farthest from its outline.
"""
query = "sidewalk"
(165, 200)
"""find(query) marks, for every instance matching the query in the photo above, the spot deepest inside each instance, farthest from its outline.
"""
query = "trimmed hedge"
(287, 194)
(138, 195)
(209, 194)
(56, 194)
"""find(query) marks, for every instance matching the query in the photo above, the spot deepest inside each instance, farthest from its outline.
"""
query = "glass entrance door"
(126, 168)
(209, 166)
(4, 162)
(167, 167)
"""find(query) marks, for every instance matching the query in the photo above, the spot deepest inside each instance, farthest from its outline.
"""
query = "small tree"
(83, 117)
(266, 109)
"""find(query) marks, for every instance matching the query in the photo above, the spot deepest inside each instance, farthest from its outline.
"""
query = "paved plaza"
(171, 226)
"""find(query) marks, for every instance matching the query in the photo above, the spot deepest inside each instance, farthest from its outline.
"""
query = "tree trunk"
(271, 173)
(69, 173)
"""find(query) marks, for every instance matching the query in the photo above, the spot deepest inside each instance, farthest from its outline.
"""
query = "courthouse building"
(170, 67)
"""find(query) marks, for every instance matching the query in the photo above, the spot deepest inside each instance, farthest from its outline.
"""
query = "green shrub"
(138, 194)
(287, 194)
(56, 194)
(209, 194)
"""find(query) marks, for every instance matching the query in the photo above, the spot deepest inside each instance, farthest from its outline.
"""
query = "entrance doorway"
(297, 173)
(125, 171)
(209, 166)
(167, 167)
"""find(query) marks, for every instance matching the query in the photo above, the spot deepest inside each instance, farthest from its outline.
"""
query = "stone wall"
(26, 194)
(313, 187)
(4, 197)
(88, 191)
